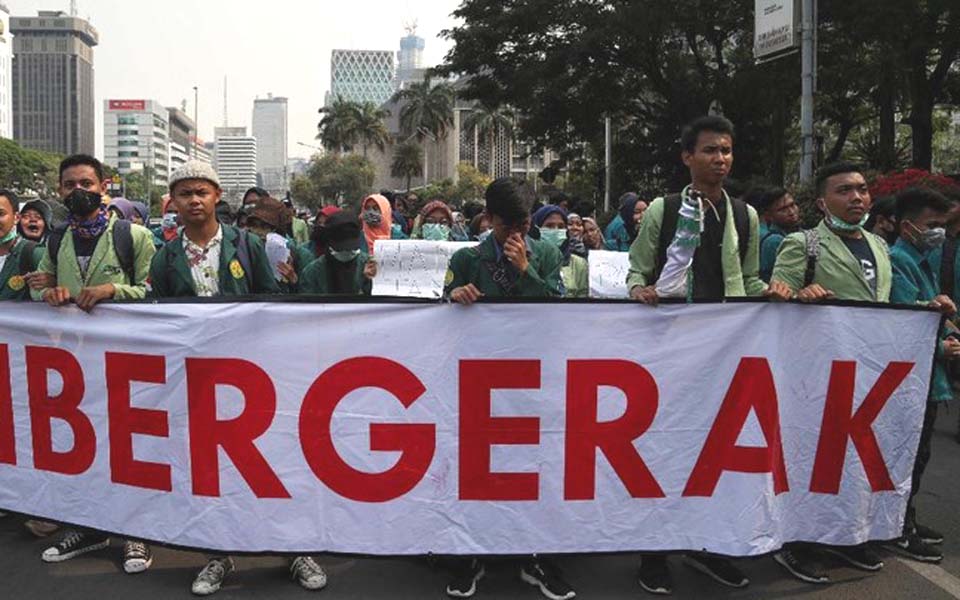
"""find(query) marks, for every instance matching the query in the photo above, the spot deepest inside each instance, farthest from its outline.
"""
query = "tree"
(368, 127)
(28, 172)
(341, 179)
(426, 112)
(304, 193)
(338, 128)
(407, 161)
(490, 120)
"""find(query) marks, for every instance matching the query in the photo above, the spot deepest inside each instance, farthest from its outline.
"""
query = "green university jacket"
(104, 265)
(576, 277)
(837, 268)
(170, 275)
(314, 278)
(739, 279)
(12, 284)
(474, 265)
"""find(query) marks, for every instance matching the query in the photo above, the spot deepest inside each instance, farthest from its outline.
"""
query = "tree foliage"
(28, 172)
(652, 66)
(426, 109)
(334, 179)
(407, 161)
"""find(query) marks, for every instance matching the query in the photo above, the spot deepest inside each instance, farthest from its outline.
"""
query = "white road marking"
(935, 574)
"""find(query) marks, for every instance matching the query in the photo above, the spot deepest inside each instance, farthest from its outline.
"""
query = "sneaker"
(655, 575)
(548, 578)
(41, 529)
(799, 568)
(464, 584)
(305, 571)
(928, 535)
(719, 568)
(137, 557)
(912, 547)
(860, 557)
(210, 579)
(74, 543)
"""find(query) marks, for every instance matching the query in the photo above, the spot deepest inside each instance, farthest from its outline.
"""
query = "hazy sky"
(161, 50)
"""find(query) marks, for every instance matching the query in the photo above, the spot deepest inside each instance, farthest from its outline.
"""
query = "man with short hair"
(697, 245)
(93, 258)
(779, 217)
(18, 256)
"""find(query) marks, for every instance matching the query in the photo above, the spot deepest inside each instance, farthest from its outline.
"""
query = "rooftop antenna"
(225, 113)
(411, 27)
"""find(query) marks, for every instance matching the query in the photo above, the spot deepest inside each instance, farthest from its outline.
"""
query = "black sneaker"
(719, 568)
(464, 584)
(74, 543)
(799, 567)
(547, 577)
(928, 535)
(655, 575)
(912, 547)
(860, 557)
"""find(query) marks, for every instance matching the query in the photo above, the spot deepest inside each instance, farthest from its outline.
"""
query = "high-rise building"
(136, 138)
(361, 76)
(270, 129)
(235, 160)
(53, 101)
(6, 81)
(410, 59)
(182, 132)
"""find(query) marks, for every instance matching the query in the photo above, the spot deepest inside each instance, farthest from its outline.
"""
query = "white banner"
(608, 274)
(413, 268)
(405, 429)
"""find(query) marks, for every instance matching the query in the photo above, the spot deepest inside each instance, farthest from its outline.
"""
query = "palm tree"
(368, 126)
(338, 128)
(427, 112)
(407, 161)
(490, 120)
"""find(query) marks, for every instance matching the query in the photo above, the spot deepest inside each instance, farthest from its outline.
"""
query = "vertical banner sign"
(777, 28)
(414, 428)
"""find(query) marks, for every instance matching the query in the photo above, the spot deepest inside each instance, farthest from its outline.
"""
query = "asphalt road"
(100, 576)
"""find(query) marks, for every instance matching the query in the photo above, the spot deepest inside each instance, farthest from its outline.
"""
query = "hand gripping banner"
(497, 429)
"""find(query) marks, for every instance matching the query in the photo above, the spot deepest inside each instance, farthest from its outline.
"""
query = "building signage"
(777, 27)
(128, 105)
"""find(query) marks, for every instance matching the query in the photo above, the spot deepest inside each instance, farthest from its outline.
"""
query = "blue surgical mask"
(436, 232)
(842, 226)
(929, 240)
(344, 256)
(169, 221)
(11, 235)
(554, 236)
(484, 235)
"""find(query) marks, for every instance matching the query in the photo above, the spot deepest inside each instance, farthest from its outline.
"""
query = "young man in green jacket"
(698, 245)
(508, 263)
(209, 259)
(18, 257)
(88, 262)
(88, 268)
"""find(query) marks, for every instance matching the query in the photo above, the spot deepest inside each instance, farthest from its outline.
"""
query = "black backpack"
(122, 246)
(671, 216)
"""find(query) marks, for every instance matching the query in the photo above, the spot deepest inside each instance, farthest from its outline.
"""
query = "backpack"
(812, 243)
(668, 229)
(27, 265)
(122, 247)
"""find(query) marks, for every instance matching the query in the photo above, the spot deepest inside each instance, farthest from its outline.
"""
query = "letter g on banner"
(416, 442)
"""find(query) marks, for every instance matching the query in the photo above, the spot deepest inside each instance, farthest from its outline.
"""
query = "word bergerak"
(752, 390)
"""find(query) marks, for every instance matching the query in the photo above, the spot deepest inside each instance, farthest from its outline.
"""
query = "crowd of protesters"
(700, 244)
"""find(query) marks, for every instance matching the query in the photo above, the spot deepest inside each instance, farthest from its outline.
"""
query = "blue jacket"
(915, 281)
(616, 236)
(771, 237)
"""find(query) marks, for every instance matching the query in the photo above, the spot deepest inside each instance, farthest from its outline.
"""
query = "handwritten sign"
(413, 268)
(608, 274)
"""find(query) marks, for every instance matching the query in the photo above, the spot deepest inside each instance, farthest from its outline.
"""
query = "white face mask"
(344, 256)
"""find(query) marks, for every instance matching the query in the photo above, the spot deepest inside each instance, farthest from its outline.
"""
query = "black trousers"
(923, 457)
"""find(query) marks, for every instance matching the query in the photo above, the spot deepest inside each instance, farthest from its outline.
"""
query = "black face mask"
(81, 203)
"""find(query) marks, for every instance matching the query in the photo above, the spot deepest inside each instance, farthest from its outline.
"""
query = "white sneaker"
(137, 557)
(210, 579)
(305, 571)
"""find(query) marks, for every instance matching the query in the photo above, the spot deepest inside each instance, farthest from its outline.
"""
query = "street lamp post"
(808, 60)
(196, 121)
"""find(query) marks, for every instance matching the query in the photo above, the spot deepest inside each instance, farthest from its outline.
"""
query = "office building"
(361, 76)
(270, 129)
(53, 82)
(136, 138)
(235, 160)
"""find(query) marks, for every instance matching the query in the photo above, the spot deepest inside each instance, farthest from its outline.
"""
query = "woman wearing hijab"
(624, 228)
(377, 219)
(317, 244)
(592, 235)
(552, 221)
(141, 215)
(123, 208)
(435, 223)
(575, 235)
